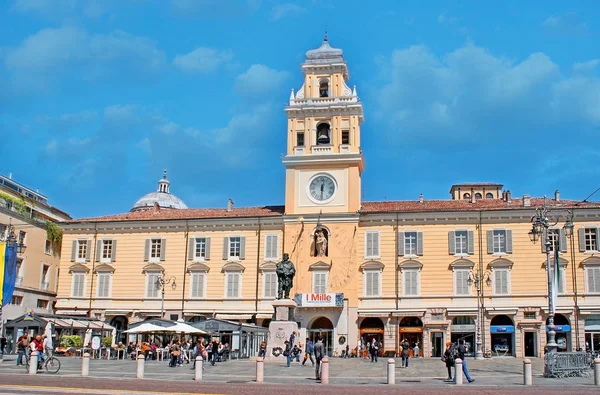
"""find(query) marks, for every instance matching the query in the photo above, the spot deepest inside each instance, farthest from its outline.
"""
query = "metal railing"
(567, 364)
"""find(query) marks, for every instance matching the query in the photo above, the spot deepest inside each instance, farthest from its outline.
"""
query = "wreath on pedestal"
(277, 351)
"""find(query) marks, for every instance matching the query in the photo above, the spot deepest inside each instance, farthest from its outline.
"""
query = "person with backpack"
(448, 358)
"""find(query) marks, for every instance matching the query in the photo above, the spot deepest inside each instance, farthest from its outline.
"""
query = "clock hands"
(322, 188)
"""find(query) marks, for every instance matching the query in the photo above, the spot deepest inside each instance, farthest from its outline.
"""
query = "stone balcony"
(322, 149)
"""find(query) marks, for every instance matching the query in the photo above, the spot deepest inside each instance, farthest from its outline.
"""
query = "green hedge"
(71, 341)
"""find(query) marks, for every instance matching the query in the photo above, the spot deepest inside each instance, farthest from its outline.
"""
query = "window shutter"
(147, 249)
(113, 256)
(597, 239)
(581, 235)
(225, 248)
(451, 242)
(470, 242)
(376, 244)
(87, 250)
(369, 288)
(242, 247)
(197, 285)
(163, 247)
(509, 246)
(73, 250)
(368, 245)
(562, 243)
(459, 283)
(207, 249)
(498, 281)
(490, 241)
(98, 250)
(400, 243)
(191, 249)
(420, 243)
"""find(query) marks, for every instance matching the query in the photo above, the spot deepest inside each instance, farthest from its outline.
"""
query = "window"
(151, 285)
(42, 304)
(197, 290)
(269, 285)
(554, 237)
(461, 282)
(501, 282)
(529, 315)
(489, 195)
(155, 249)
(103, 285)
(45, 283)
(499, 241)
(271, 247)
(82, 250)
(345, 137)
(410, 282)
(461, 242)
(235, 247)
(591, 239)
(372, 282)
(22, 237)
(48, 247)
(478, 196)
(16, 300)
(107, 247)
(78, 285)
(232, 286)
(466, 196)
(410, 243)
(300, 139)
(371, 244)
(593, 279)
(200, 248)
(324, 89)
(320, 282)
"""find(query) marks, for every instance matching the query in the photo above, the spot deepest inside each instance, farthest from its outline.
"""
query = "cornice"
(320, 218)
(290, 161)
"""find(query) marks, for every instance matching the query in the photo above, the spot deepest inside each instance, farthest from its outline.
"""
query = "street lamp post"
(161, 281)
(543, 219)
(478, 280)
(11, 242)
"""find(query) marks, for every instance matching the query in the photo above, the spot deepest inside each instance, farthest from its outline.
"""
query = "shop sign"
(320, 300)
(560, 328)
(462, 328)
(410, 329)
(502, 329)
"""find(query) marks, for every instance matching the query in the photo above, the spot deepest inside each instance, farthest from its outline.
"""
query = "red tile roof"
(367, 208)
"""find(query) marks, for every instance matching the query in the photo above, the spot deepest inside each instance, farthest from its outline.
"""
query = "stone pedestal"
(281, 329)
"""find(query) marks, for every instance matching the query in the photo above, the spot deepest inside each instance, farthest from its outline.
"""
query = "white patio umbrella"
(180, 327)
(88, 337)
(114, 338)
(148, 328)
(48, 334)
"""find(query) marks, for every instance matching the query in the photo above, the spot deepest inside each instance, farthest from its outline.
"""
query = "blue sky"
(99, 96)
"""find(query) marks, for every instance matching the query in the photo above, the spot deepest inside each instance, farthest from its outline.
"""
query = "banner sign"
(8, 272)
(319, 300)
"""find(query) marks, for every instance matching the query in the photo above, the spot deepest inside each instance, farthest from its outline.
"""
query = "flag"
(8, 272)
(555, 275)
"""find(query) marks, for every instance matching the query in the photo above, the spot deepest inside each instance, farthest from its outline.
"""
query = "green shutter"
(225, 248)
(400, 243)
(452, 242)
(147, 249)
(98, 250)
(191, 248)
(74, 251)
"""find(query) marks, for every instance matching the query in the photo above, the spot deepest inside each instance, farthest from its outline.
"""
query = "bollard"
(458, 373)
(85, 365)
(391, 371)
(198, 372)
(527, 375)
(140, 366)
(597, 371)
(325, 371)
(260, 369)
(33, 362)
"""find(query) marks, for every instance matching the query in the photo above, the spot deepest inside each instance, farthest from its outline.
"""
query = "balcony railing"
(19, 281)
(45, 286)
(322, 149)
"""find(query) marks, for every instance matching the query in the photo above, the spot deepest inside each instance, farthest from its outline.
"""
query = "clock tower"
(324, 162)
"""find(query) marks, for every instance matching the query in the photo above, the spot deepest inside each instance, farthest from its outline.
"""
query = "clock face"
(321, 188)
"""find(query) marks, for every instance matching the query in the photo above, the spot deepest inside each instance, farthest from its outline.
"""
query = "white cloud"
(470, 90)
(202, 60)
(169, 128)
(145, 145)
(66, 8)
(284, 10)
(70, 118)
(569, 22)
(443, 18)
(588, 66)
(60, 51)
(260, 79)
(119, 112)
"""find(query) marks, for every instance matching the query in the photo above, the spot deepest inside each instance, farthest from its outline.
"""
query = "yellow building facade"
(391, 270)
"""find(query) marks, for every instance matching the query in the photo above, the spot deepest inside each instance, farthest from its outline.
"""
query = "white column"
(325, 371)
(140, 366)
(597, 372)
(458, 374)
(260, 369)
(198, 367)
(391, 371)
(33, 362)
(527, 374)
(85, 365)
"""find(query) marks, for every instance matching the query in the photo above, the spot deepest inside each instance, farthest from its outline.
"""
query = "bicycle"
(51, 364)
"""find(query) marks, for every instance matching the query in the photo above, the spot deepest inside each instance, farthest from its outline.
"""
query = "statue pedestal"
(281, 329)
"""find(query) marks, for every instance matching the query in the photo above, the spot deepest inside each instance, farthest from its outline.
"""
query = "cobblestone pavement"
(500, 375)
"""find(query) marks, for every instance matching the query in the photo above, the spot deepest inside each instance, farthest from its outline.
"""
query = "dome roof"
(325, 53)
(163, 197)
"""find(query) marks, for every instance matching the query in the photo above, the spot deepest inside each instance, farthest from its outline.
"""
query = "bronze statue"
(285, 275)
(320, 243)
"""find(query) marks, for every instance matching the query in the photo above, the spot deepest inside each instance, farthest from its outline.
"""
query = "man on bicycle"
(38, 345)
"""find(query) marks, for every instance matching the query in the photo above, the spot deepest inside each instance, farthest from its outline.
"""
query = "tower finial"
(165, 174)
(325, 39)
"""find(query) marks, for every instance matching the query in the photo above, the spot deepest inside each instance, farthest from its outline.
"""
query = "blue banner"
(10, 274)
(560, 328)
(502, 329)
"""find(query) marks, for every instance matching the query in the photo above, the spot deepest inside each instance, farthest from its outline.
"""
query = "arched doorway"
(324, 327)
(463, 327)
(502, 335)
(266, 323)
(592, 333)
(562, 328)
(120, 322)
(411, 329)
(371, 328)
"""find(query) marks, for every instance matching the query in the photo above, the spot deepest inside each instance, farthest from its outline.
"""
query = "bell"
(323, 138)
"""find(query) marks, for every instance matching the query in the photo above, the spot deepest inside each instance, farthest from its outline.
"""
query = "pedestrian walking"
(319, 353)
(22, 348)
(309, 349)
(448, 359)
(405, 353)
(461, 350)
(374, 349)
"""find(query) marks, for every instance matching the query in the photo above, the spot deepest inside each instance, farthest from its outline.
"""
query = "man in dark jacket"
(308, 352)
(319, 354)
(462, 349)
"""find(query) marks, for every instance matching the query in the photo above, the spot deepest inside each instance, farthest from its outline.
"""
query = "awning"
(374, 314)
(408, 313)
(72, 312)
(234, 317)
(264, 316)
